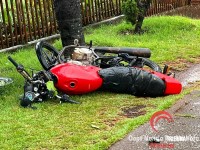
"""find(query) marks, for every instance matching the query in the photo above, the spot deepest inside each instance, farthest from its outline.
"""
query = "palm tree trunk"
(69, 19)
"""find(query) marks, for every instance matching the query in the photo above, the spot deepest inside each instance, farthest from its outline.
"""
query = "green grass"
(98, 121)
(168, 38)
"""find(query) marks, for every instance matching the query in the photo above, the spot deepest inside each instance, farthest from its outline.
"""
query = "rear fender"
(173, 86)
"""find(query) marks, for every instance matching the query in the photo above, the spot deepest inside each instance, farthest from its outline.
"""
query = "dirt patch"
(112, 122)
(134, 111)
(181, 65)
(132, 32)
(127, 32)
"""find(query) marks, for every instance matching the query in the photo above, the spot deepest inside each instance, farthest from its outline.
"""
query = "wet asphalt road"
(190, 75)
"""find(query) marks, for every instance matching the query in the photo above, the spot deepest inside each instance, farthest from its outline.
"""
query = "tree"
(69, 19)
(135, 11)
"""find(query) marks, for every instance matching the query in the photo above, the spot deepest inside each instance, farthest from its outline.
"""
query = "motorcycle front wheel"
(47, 55)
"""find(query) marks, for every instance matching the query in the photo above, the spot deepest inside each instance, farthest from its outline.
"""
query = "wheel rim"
(46, 54)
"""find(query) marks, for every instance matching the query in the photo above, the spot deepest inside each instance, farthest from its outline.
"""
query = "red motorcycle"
(79, 70)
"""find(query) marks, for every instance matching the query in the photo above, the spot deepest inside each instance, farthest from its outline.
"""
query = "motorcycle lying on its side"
(80, 69)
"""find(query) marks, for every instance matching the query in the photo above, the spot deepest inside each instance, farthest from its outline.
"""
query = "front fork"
(41, 91)
(36, 87)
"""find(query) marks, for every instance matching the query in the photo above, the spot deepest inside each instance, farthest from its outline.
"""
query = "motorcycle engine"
(82, 55)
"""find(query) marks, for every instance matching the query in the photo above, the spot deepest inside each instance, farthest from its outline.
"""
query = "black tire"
(46, 54)
(152, 65)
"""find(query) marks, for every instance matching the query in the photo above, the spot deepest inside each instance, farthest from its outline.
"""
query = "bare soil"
(134, 111)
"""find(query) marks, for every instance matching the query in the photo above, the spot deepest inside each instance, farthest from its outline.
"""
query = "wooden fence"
(22, 21)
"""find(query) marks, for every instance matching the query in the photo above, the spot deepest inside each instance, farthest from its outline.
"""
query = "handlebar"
(13, 61)
(20, 69)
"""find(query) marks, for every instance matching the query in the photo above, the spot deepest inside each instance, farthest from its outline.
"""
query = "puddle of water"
(191, 75)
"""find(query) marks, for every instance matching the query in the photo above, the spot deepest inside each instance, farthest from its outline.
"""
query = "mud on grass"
(134, 111)
(182, 64)
(132, 32)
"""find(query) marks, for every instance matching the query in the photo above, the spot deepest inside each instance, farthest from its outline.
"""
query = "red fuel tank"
(76, 79)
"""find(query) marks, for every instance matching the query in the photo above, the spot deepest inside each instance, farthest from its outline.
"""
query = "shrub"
(130, 10)
(134, 11)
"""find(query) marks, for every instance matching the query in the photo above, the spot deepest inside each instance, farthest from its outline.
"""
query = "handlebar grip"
(13, 61)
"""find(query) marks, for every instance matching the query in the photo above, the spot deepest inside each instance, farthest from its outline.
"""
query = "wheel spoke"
(47, 56)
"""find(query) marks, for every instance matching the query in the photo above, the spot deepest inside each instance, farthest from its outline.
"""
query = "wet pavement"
(183, 133)
(191, 75)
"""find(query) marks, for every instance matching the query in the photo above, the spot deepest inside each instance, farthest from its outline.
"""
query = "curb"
(179, 104)
(182, 102)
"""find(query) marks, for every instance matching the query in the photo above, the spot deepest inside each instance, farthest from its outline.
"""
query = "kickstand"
(65, 98)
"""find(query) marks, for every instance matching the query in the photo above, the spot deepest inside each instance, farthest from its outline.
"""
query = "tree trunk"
(69, 19)
(138, 25)
(143, 6)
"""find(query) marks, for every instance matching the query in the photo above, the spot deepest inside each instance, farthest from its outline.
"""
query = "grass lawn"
(100, 119)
